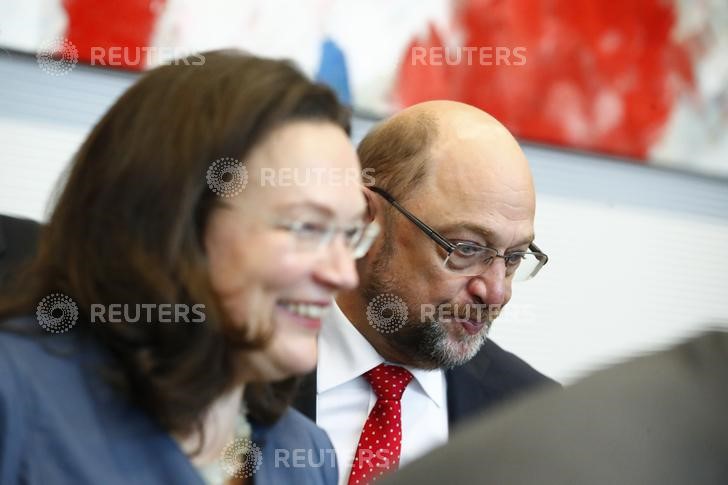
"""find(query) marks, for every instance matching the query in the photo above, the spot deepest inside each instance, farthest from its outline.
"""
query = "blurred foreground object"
(658, 419)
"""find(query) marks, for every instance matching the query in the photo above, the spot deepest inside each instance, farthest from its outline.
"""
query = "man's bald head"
(450, 141)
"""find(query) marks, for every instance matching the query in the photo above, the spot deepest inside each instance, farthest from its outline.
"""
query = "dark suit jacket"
(18, 242)
(657, 420)
(489, 378)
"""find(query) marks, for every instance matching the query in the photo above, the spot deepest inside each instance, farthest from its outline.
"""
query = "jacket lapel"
(466, 386)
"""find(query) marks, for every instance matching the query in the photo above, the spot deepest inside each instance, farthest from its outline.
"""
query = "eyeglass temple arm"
(444, 243)
(535, 249)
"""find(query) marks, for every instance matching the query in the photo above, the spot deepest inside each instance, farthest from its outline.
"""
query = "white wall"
(637, 254)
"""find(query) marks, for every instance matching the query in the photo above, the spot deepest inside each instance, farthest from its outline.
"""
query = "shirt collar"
(344, 355)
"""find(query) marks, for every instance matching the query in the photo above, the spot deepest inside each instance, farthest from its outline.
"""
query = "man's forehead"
(481, 175)
(486, 188)
(475, 203)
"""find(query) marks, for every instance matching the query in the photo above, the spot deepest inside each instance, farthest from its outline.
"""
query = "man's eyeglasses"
(472, 259)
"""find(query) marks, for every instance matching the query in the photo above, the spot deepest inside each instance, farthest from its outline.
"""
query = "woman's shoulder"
(28, 351)
(36, 385)
(21, 346)
(13, 373)
(296, 427)
(39, 370)
(295, 450)
(55, 403)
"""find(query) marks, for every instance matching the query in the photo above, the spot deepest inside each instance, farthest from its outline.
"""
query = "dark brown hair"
(128, 226)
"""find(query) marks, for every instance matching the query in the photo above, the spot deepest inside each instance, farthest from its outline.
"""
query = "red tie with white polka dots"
(379, 445)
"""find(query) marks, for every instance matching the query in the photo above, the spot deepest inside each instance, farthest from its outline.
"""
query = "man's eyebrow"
(487, 235)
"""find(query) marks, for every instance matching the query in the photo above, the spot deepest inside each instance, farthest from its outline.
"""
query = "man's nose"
(491, 286)
(337, 267)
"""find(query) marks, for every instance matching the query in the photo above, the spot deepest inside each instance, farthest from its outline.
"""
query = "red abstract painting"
(597, 75)
(112, 33)
(645, 80)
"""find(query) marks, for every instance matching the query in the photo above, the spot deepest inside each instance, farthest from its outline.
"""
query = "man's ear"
(372, 202)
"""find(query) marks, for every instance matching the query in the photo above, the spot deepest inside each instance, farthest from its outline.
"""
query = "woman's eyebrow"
(305, 205)
(318, 208)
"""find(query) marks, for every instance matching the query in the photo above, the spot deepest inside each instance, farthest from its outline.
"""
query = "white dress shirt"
(344, 398)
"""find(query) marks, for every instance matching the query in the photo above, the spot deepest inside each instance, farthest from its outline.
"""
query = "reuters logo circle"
(57, 57)
(227, 177)
(241, 458)
(387, 313)
(57, 313)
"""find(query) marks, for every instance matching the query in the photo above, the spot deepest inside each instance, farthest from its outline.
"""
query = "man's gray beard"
(427, 344)
(446, 353)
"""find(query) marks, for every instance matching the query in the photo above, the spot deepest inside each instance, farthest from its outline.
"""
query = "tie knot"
(388, 381)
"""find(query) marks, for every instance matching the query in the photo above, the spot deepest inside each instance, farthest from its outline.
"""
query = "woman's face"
(303, 172)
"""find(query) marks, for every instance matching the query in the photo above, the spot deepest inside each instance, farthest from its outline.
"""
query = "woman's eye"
(352, 233)
(312, 229)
